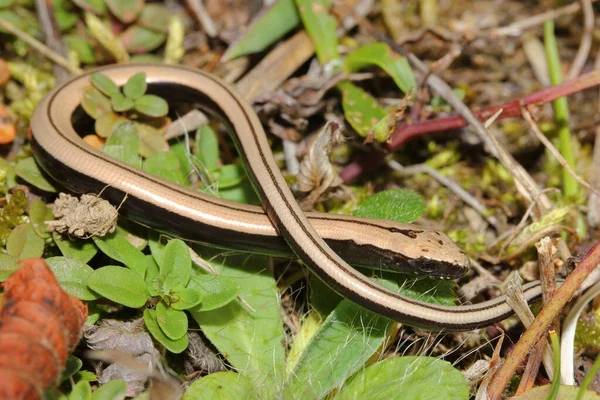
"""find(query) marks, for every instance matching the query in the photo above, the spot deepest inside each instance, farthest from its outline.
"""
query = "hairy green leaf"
(121, 285)
(415, 377)
(30, 172)
(24, 243)
(77, 249)
(73, 276)
(220, 386)
(400, 205)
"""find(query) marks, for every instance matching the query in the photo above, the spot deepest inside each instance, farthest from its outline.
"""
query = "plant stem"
(561, 110)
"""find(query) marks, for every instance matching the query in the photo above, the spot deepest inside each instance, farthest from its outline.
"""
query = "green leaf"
(121, 103)
(119, 249)
(103, 33)
(30, 172)
(77, 249)
(242, 193)
(166, 165)
(104, 84)
(400, 205)
(94, 6)
(85, 51)
(94, 103)
(73, 277)
(152, 274)
(152, 140)
(136, 86)
(155, 17)
(81, 391)
(265, 30)
(152, 106)
(216, 290)
(65, 19)
(73, 365)
(6, 3)
(220, 386)
(250, 339)
(8, 265)
(347, 339)
(230, 175)
(207, 148)
(121, 285)
(174, 346)
(39, 214)
(115, 389)
(320, 27)
(360, 109)
(564, 393)
(107, 123)
(157, 247)
(415, 377)
(123, 144)
(174, 323)
(177, 261)
(126, 11)
(140, 40)
(381, 55)
(180, 150)
(186, 299)
(24, 243)
(12, 18)
(94, 313)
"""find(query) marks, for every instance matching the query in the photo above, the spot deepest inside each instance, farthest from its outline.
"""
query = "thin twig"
(542, 138)
(523, 180)
(586, 40)
(516, 28)
(594, 201)
(51, 32)
(40, 47)
(197, 7)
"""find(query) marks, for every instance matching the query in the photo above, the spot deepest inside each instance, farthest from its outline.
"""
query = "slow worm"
(314, 238)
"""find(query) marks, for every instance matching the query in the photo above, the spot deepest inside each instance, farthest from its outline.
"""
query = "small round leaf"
(94, 102)
(121, 103)
(136, 86)
(104, 84)
(152, 106)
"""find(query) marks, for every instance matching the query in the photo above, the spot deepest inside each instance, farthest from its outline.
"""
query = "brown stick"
(543, 320)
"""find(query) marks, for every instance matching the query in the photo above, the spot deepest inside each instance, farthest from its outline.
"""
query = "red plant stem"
(408, 131)
(511, 109)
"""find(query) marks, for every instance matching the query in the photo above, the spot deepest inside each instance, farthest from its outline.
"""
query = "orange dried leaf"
(39, 325)
(7, 128)
(95, 141)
